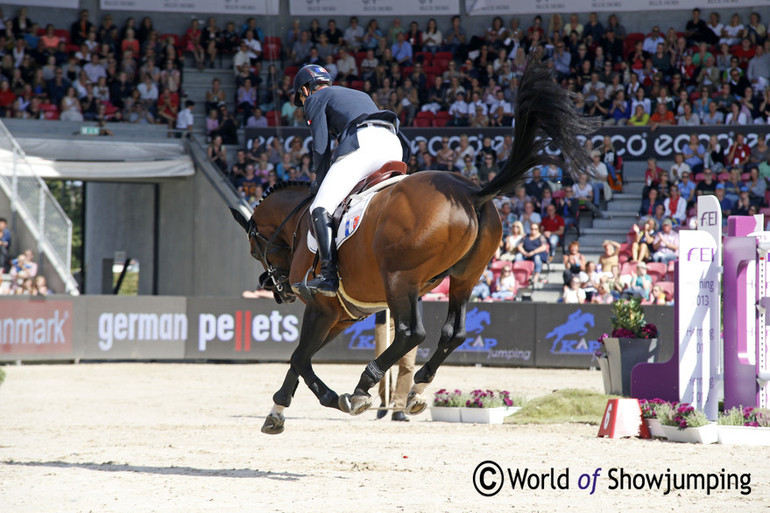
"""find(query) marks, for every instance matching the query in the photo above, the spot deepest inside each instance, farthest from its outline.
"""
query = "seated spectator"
(5, 244)
(679, 167)
(506, 286)
(535, 187)
(666, 244)
(641, 284)
(675, 205)
(481, 291)
(584, 193)
(743, 205)
(662, 116)
(534, 247)
(590, 279)
(215, 95)
(511, 242)
(168, 107)
(725, 203)
(553, 229)
(610, 256)
(757, 186)
(574, 262)
(467, 169)
(573, 293)
(257, 120)
(185, 120)
(642, 247)
(70, 108)
(737, 115)
(640, 117)
(687, 189)
(217, 154)
(459, 111)
(733, 185)
(445, 157)
(707, 184)
(529, 216)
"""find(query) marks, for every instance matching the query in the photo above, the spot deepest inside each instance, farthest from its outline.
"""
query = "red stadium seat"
(427, 57)
(50, 111)
(523, 271)
(63, 34)
(668, 288)
(273, 118)
(628, 268)
(443, 55)
(175, 37)
(271, 51)
(670, 270)
(273, 40)
(442, 118)
(422, 123)
(357, 84)
(657, 270)
(723, 177)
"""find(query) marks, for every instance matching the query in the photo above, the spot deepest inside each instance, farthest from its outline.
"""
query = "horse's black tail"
(544, 117)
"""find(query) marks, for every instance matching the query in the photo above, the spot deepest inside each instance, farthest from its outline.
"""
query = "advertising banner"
(245, 7)
(501, 7)
(64, 4)
(567, 335)
(496, 334)
(632, 143)
(242, 329)
(36, 329)
(142, 328)
(373, 7)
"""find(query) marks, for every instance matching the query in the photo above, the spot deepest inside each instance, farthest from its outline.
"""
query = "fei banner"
(492, 7)
(372, 7)
(248, 7)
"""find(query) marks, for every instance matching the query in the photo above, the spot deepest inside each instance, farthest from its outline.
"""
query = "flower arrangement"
(680, 415)
(750, 416)
(628, 320)
(649, 408)
(447, 399)
(491, 399)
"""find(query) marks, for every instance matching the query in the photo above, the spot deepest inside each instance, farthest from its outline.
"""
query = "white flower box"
(655, 428)
(744, 435)
(487, 415)
(445, 414)
(700, 435)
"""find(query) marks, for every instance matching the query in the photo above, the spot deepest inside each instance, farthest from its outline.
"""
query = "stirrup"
(305, 291)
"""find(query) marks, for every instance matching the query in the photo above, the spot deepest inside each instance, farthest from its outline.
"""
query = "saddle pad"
(352, 218)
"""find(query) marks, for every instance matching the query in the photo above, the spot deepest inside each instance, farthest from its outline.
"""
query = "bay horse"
(430, 225)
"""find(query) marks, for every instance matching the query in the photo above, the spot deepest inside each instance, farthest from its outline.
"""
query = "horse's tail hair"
(544, 116)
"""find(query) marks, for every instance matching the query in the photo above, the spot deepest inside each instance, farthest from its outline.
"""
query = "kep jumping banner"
(244, 7)
(345, 8)
(506, 7)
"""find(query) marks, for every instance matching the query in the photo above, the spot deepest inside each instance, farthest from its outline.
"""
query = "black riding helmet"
(311, 76)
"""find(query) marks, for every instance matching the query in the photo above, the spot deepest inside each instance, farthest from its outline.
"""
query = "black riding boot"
(326, 282)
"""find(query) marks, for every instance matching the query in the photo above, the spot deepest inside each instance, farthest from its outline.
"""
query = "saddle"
(390, 169)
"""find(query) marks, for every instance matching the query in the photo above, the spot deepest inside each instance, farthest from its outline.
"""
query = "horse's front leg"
(410, 332)
(320, 324)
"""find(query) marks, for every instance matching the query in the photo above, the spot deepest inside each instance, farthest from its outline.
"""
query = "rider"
(366, 139)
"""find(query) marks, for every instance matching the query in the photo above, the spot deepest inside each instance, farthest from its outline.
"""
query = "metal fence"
(32, 200)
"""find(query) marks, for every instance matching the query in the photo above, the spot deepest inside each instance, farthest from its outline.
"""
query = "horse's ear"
(240, 218)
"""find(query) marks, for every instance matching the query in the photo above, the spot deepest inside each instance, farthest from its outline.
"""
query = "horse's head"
(272, 241)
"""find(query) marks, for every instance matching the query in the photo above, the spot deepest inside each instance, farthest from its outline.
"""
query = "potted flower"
(446, 406)
(683, 423)
(744, 426)
(490, 407)
(650, 416)
(633, 340)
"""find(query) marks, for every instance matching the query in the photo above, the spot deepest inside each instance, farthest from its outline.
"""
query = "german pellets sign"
(371, 7)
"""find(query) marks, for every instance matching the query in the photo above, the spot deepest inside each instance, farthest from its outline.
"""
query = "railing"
(197, 150)
(41, 213)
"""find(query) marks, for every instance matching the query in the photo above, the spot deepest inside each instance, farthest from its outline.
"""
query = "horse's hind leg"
(452, 333)
(410, 332)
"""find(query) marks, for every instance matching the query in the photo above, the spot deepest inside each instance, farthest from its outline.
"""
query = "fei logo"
(243, 328)
(565, 339)
(701, 254)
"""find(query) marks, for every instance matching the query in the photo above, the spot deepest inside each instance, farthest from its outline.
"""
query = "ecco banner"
(142, 327)
(242, 329)
(40, 329)
(632, 143)
(567, 335)
(246, 7)
(501, 7)
(372, 7)
(489, 341)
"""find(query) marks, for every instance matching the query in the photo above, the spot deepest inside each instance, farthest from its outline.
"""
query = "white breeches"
(377, 145)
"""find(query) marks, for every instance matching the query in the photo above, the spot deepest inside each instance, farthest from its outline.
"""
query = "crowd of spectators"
(19, 276)
(703, 73)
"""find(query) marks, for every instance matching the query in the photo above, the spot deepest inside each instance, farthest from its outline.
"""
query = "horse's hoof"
(273, 424)
(415, 404)
(359, 404)
(344, 403)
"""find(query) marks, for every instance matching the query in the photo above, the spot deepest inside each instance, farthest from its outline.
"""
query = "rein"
(279, 280)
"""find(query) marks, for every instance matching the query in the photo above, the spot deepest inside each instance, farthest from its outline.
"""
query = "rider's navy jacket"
(338, 111)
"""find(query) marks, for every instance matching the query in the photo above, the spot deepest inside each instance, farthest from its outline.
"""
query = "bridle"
(278, 278)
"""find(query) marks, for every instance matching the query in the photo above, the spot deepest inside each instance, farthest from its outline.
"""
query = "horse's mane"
(281, 185)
